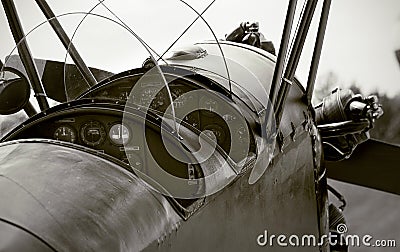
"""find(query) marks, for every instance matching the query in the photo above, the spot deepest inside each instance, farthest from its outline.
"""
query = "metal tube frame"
(24, 52)
(300, 38)
(317, 50)
(292, 63)
(277, 99)
(280, 62)
(65, 40)
(294, 58)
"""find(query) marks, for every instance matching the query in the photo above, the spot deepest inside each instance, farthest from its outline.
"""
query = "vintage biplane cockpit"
(108, 118)
(181, 128)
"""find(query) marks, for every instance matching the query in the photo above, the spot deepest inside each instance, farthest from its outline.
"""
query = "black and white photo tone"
(200, 125)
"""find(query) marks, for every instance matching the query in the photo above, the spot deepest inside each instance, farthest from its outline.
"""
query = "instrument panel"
(202, 109)
(106, 134)
(104, 131)
(95, 120)
(93, 133)
(133, 137)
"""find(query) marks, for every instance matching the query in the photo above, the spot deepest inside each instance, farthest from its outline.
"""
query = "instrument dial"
(178, 99)
(218, 132)
(124, 95)
(119, 134)
(65, 133)
(149, 98)
(93, 133)
(209, 105)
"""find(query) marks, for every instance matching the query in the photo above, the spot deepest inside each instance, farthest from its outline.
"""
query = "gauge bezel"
(113, 141)
(102, 133)
(206, 112)
(73, 130)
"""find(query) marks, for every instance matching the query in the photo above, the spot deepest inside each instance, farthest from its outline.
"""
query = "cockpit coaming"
(108, 118)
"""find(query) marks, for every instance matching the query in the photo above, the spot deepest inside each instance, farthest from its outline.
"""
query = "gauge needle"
(93, 132)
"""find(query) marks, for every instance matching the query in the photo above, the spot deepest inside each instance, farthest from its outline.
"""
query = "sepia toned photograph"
(200, 125)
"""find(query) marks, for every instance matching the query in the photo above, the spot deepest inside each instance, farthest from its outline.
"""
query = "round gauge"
(218, 131)
(119, 134)
(178, 98)
(65, 133)
(209, 105)
(149, 98)
(93, 133)
(124, 95)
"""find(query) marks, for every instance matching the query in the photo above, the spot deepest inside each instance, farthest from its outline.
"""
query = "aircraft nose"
(70, 200)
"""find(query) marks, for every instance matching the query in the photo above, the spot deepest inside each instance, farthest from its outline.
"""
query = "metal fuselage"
(76, 198)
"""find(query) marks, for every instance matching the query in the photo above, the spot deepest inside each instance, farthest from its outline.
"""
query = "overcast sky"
(361, 38)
